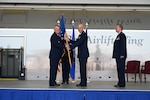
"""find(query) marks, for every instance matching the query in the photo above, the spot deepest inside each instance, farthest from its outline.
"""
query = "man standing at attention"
(56, 51)
(120, 54)
(83, 54)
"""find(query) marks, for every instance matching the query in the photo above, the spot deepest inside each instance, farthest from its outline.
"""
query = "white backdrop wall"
(100, 65)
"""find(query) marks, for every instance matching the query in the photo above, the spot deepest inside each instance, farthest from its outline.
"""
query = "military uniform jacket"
(57, 46)
(81, 42)
(119, 48)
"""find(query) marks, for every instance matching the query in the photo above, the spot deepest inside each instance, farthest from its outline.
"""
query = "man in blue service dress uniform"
(120, 54)
(83, 54)
(56, 51)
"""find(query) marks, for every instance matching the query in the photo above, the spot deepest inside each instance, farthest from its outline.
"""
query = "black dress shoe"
(119, 86)
(63, 83)
(51, 85)
(79, 85)
(122, 86)
(67, 83)
(116, 85)
(57, 84)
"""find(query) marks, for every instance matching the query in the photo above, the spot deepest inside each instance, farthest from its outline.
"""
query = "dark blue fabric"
(14, 94)
(10, 94)
(118, 95)
(72, 69)
(62, 26)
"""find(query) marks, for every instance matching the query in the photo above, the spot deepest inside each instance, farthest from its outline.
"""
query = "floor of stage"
(93, 85)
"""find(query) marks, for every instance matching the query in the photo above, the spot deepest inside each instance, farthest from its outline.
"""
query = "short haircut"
(81, 25)
(120, 26)
(56, 26)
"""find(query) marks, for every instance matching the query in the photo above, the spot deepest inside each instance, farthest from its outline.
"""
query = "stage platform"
(95, 90)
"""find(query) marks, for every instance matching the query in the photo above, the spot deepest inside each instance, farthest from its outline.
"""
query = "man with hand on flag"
(83, 53)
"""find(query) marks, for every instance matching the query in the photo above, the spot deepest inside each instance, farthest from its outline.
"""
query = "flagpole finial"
(86, 24)
(58, 22)
(72, 22)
